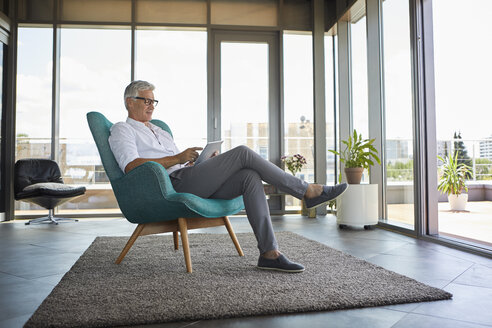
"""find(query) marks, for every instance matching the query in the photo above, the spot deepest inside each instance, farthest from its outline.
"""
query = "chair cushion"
(49, 185)
(51, 189)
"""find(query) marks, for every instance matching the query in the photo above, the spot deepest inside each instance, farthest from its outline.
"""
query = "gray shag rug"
(151, 284)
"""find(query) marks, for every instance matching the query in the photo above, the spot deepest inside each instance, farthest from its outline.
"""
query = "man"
(239, 171)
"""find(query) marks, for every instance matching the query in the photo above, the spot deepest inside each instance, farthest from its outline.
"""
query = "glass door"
(399, 157)
(246, 96)
(246, 107)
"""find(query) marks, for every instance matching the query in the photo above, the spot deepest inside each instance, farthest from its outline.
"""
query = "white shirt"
(133, 139)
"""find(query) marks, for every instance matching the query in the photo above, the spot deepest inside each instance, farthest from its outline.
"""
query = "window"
(94, 71)
(298, 104)
(463, 76)
(33, 116)
(3, 76)
(360, 109)
(176, 63)
(34, 71)
(331, 107)
(245, 95)
(358, 39)
(398, 109)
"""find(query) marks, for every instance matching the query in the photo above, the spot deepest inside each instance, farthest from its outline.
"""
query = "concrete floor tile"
(17, 322)
(447, 268)
(423, 321)
(367, 318)
(478, 275)
(469, 303)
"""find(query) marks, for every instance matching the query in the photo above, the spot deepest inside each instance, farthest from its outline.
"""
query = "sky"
(463, 67)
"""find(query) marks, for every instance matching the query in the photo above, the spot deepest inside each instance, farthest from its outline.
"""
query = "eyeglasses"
(148, 101)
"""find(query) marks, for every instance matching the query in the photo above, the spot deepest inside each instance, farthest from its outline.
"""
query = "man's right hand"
(188, 155)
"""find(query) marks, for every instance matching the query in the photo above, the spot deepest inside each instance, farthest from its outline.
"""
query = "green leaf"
(358, 152)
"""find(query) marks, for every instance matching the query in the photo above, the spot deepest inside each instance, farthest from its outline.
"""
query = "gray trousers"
(237, 172)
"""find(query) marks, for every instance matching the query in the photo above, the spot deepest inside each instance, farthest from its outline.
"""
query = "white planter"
(457, 202)
(358, 205)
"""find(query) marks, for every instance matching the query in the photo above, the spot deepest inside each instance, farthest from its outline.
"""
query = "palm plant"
(453, 175)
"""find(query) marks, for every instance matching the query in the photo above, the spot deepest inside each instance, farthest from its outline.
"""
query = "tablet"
(208, 151)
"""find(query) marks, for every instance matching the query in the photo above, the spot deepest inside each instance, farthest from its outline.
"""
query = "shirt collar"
(137, 124)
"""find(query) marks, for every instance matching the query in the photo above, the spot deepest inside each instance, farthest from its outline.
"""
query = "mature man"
(239, 171)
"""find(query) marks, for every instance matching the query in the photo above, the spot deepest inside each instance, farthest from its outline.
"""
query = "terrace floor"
(474, 224)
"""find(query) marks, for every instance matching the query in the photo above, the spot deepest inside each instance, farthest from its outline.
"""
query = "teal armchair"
(146, 197)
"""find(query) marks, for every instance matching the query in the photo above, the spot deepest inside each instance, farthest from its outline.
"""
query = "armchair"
(146, 197)
(39, 181)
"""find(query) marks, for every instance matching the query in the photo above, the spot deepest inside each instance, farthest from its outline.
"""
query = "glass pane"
(251, 12)
(245, 96)
(331, 108)
(298, 105)
(94, 71)
(172, 11)
(398, 109)
(96, 10)
(3, 50)
(33, 116)
(463, 72)
(34, 71)
(176, 63)
(359, 82)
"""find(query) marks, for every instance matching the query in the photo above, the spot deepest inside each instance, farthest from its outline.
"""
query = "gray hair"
(133, 88)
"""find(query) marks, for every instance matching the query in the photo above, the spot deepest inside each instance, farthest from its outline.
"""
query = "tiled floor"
(34, 258)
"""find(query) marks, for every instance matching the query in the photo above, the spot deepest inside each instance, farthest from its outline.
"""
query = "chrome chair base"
(50, 219)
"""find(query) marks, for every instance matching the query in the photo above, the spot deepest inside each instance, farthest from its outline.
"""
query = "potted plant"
(359, 154)
(294, 164)
(452, 181)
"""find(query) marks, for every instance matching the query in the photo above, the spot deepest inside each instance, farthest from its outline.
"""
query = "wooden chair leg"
(228, 225)
(130, 242)
(176, 240)
(183, 229)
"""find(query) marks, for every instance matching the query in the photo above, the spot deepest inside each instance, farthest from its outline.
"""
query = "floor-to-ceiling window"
(90, 63)
(360, 111)
(244, 95)
(4, 51)
(3, 57)
(34, 72)
(298, 104)
(398, 113)
(34, 97)
(94, 71)
(175, 61)
(331, 106)
(463, 80)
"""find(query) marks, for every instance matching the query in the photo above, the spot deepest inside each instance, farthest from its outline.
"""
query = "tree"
(400, 171)
(459, 147)
(483, 168)
(22, 138)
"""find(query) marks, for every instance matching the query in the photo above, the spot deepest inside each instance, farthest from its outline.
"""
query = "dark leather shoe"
(281, 263)
(329, 193)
